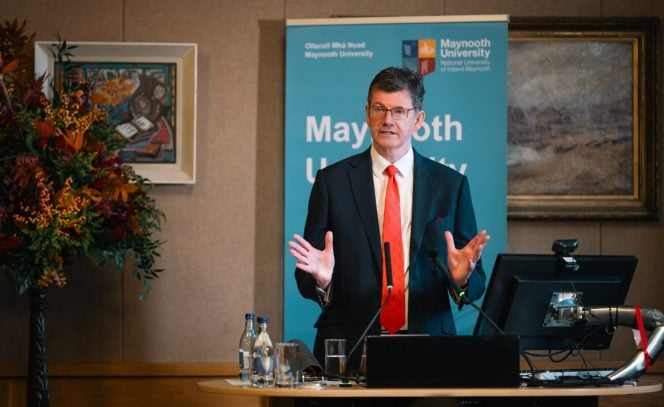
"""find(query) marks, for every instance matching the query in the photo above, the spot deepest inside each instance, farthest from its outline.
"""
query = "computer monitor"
(523, 287)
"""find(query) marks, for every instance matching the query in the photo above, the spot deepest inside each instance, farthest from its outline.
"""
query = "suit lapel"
(423, 190)
(361, 182)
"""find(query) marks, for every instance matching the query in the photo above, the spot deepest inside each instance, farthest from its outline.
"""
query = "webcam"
(563, 248)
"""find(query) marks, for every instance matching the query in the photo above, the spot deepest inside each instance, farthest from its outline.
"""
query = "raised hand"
(461, 262)
(318, 263)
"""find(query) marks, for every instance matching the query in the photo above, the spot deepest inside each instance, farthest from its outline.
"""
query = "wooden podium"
(570, 396)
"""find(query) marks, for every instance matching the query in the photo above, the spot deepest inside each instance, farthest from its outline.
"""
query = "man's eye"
(398, 110)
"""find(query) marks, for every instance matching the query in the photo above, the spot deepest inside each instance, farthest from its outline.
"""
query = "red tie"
(393, 315)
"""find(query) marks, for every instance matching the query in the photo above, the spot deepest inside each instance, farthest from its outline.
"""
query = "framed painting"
(149, 92)
(582, 118)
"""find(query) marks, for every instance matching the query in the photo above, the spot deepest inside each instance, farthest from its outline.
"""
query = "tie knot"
(391, 170)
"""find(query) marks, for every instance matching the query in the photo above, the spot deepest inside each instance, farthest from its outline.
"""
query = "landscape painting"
(582, 118)
(571, 118)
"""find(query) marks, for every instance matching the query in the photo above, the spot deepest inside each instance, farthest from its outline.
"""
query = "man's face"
(391, 137)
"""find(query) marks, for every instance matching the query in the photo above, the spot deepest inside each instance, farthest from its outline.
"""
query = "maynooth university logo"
(419, 55)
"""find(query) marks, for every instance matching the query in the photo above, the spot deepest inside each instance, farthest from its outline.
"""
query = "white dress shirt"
(404, 179)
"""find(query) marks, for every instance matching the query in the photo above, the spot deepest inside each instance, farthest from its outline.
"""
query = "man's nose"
(389, 118)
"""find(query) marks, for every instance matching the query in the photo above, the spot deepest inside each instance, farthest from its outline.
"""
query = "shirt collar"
(403, 164)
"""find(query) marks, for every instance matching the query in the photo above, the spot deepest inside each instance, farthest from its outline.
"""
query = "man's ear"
(419, 119)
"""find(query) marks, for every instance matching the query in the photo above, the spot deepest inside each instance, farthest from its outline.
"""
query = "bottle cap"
(249, 315)
(262, 320)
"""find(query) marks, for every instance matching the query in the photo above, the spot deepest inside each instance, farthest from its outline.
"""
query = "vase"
(37, 374)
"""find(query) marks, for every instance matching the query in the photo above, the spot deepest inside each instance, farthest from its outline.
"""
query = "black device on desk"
(524, 289)
(442, 361)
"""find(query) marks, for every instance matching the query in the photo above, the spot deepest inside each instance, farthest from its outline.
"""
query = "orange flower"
(123, 191)
(74, 139)
(10, 66)
(45, 128)
(73, 123)
(98, 99)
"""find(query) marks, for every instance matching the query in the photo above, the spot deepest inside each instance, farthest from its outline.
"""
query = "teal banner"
(329, 65)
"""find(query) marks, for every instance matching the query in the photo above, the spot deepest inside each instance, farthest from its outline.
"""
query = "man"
(340, 259)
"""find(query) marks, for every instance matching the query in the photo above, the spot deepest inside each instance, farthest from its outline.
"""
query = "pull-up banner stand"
(329, 65)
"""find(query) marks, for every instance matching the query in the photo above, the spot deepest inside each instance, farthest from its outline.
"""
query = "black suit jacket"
(342, 200)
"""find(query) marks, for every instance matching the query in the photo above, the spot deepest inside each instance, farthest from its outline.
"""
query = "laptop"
(442, 361)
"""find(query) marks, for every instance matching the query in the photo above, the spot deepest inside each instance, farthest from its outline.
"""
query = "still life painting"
(140, 103)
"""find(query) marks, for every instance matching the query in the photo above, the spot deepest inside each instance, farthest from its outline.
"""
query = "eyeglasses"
(398, 113)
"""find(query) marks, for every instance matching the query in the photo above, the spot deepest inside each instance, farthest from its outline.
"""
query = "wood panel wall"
(145, 385)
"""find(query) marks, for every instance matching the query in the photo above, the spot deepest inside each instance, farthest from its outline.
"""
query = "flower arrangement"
(64, 192)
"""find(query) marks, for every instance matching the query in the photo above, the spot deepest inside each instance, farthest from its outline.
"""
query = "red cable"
(642, 333)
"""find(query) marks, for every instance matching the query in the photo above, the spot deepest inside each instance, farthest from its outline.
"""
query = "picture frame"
(149, 90)
(582, 116)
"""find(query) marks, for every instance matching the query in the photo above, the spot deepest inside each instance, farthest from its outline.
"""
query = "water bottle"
(263, 375)
(246, 347)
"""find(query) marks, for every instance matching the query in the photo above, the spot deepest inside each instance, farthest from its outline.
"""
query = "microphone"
(388, 266)
(433, 253)
(389, 284)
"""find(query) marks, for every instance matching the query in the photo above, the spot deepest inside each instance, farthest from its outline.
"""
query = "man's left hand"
(461, 262)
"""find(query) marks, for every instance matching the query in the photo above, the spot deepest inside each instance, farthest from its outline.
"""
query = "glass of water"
(286, 372)
(335, 358)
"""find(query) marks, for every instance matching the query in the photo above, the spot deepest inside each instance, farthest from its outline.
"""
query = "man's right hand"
(318, 263)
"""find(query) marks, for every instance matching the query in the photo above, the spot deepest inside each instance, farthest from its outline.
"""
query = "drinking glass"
(335, 358)
(285, 364)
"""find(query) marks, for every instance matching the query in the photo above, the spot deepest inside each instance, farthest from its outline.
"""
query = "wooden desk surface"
(223, 386)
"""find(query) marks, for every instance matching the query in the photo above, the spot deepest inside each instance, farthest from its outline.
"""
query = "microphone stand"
(389, 284)
(433, 254)
(460, 293)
